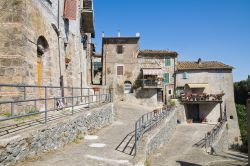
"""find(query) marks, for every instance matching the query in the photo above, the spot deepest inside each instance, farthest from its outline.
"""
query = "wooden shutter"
(166, 78)
(70, 9)
(167, 61)
(119, 70)
(119, 49)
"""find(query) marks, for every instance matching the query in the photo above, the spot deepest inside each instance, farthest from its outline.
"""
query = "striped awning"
(158, 72)
(193, 86)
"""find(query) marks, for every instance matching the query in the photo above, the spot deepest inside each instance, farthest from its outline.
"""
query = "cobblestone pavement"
(180, 151)
(100, 148)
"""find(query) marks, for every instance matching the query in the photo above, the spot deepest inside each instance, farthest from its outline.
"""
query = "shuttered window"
(119, 49)
(166, 78)
(167, 61)
(70, 7)
(119, 70)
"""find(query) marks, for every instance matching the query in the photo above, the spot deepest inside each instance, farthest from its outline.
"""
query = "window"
(119, 70)
(166, 78)
(185, 75)
(170, 92)
(167, 61)
(119, 49)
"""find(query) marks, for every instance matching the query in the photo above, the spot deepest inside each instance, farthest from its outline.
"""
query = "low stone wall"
(221, 143)
(156, 138)
(54, 135)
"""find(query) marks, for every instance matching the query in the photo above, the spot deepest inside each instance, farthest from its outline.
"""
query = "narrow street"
(111, 145)
(182, 150)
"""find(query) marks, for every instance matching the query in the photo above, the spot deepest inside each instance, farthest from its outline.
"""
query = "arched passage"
(42, 49)
(127, 87)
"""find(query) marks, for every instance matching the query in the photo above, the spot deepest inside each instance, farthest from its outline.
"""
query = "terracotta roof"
(158, 52)
(202, 65)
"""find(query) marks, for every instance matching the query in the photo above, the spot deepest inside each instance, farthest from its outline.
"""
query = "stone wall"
(221, 143)
(54, 135)
(156, 138)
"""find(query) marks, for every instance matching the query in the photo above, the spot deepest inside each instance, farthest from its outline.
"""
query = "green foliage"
(241, 90)
(147, 163)
(242, 118)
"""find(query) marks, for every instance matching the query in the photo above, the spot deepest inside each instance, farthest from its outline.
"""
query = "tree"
(241, 90)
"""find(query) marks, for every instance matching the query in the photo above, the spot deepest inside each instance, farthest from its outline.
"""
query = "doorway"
(193, 112)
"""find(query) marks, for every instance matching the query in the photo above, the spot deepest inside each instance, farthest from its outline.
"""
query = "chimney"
(199, 61)
(137, 34)
(103, 35)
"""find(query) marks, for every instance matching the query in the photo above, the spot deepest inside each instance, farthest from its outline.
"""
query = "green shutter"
(166, 78)
(167, 61)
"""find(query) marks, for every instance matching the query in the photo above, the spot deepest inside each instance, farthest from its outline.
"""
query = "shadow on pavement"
(127, 145)
(183, 163)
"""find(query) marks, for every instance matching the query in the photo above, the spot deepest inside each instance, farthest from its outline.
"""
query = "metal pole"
(88, 99)
(135, 138)
(72, 102)
(24, 91)
(81, 87)
(46, 105)
(12, 109)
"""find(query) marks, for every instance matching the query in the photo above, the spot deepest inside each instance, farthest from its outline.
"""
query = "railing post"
(72, 101)
(99, 96)
(88, 99)
(12, 109)
(135, 138)
(46, 105)
(24, 93)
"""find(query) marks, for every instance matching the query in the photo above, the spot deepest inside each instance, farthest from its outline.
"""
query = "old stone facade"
(206, 90)
(142, 76)
(41, 45)
(120, 62)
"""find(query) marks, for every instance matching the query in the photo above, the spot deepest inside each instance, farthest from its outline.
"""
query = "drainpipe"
(59, 50)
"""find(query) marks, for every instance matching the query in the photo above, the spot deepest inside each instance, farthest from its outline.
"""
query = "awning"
(158, 72)
(193, 86)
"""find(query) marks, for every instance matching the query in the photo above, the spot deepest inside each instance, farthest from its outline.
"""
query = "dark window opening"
(231, 117)
(119, 49)
(119, 70)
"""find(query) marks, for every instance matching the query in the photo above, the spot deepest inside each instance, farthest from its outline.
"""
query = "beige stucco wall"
(218, 81)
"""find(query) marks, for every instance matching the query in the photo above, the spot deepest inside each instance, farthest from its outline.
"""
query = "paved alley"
(112, 145)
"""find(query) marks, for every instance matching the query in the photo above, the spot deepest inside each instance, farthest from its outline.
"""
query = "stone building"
(206, 91)
(46, 42)
(141, 76)
(97, 69)
(120, 63)
(157, 74)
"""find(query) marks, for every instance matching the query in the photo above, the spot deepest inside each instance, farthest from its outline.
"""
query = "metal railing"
(152, 83)
(15, 99)
(147, 121)
(212, 135)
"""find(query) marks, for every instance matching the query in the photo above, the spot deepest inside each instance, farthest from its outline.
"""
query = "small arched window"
(42, 46)
(127, 87)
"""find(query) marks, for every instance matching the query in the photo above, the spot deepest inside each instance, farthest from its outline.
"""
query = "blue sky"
(207, 29)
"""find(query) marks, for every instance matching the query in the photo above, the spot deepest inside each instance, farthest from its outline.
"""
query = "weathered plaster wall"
(210, 111)
(53, 135)
(221, 143)
(218, 81)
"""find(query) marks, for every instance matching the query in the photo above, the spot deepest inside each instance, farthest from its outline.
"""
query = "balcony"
(151, 83)
(195, 98)
(88, 17)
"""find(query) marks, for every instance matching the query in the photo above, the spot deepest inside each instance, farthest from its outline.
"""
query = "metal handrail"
(147, 121)
(211, 136)
(74, 97)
